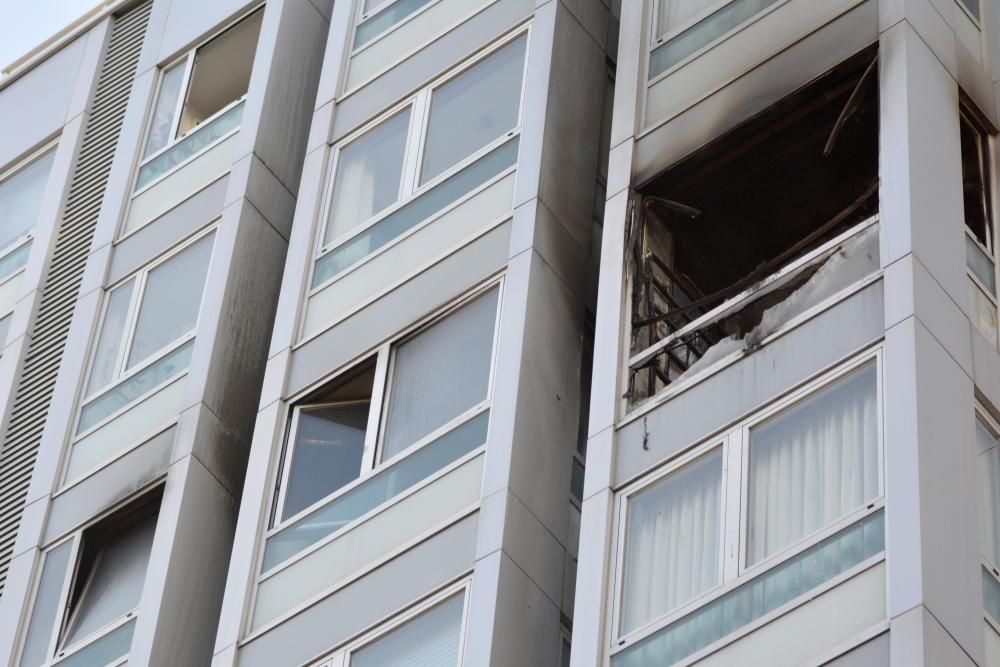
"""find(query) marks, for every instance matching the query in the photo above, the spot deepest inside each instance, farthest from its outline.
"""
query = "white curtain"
(672, 542)
(988, 468)
(813, 464)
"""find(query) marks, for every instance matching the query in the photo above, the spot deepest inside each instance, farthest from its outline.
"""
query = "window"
(350, 451)
(21, 193)
(684, 27)
(430, 635)
(980, 237)
(377, 17)
(988, 470)
(441, 145)
(147, 330)
(774, 508)
(972, 6)
(712, 275)
(89, 590)
(200, 99)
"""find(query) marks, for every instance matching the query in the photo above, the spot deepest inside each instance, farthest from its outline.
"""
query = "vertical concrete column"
(523, 526)
(934, 597)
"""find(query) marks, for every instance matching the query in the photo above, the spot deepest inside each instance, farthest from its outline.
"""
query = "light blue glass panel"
(375, 25)
(46, 607)
(105, 650)
(759, 596)
(980, 264)
(135, 387)
(432, 639)
(15, 260)
(382, 486)
(991, 595)
(187, 147)
(703, 33)
(412, 214)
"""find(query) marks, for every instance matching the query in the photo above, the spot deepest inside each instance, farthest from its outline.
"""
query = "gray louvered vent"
(61, 284)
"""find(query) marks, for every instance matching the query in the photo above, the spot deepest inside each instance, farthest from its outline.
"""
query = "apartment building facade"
(792, 438)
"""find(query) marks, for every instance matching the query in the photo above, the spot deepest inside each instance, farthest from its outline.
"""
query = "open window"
(147, 331)
(200, 99)
(754, 230)
(980, 235)
(21, 192)
(418, 406)
(89, 590)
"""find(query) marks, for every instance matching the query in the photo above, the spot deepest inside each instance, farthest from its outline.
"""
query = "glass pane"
(703, 33)
(327, 453)
(108, 349)
(221, 73)
(135, 387)
(189, 146)
(15, 260)
(162, 123)
(114, 583)
(46, 608)
(171, 301)
(415, 212)
(576, 480)
(988, 466)
(781, 584)
(4, 328)
(473, 109)
(980, 264)
(380, 487)
(368, 174)
(991, 596)
(376, 25)
(675, 13)
(21, 198)
(429, 640)
(672, 542)
(972, 6)
(105, 650)
(975, 182)
(813, 464)
(439, 374)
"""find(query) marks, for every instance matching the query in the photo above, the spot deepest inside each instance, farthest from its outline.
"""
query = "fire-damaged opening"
(762, 224)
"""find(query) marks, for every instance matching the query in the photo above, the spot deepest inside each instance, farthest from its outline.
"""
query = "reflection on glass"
(21, 198)
(104, 651)
(478, 106)
(108, 349)
(428, 640)
(162, 124)
(46, 607)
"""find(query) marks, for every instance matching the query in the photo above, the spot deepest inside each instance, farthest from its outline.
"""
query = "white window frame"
(734, 444)
(121, 373)
(371, 460)
(967, 116)
(361, 16)
(341, 657)
(993, 426)
(10, 172)
(410, 186)
(55, 654)
(187, 61)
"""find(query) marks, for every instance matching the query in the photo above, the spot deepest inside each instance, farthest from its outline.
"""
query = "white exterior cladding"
(920, 601)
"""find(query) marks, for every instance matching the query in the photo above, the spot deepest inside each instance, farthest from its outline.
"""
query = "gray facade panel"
(364, 603)
(873, 653)
(760, 377)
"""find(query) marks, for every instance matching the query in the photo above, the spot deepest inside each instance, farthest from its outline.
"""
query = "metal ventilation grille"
(61, 285)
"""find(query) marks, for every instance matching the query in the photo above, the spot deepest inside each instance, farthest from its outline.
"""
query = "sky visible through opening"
(28, 23)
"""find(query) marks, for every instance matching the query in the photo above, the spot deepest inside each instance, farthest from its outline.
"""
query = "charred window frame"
(977, 197)
(782, 206)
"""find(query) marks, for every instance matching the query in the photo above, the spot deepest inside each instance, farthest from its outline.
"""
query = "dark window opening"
(738, 235)
(976, 179)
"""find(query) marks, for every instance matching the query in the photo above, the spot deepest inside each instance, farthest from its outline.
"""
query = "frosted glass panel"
(46, 607)
(14, 260)
(114, 584)
(473, 109)
(327, 453)
(675, 13)
(379, 488)
(429, 640)
(703, 33)
(813, 464)
(988, 468)
(415, 212)
(162, 123)
(440, 373)
(673, 542)
(108, 349)
(765, 593)
(135, 387)
(369, 171)
(390, 16)
(980, 264)
(105, 650)
(21, 198)
(171, 300)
